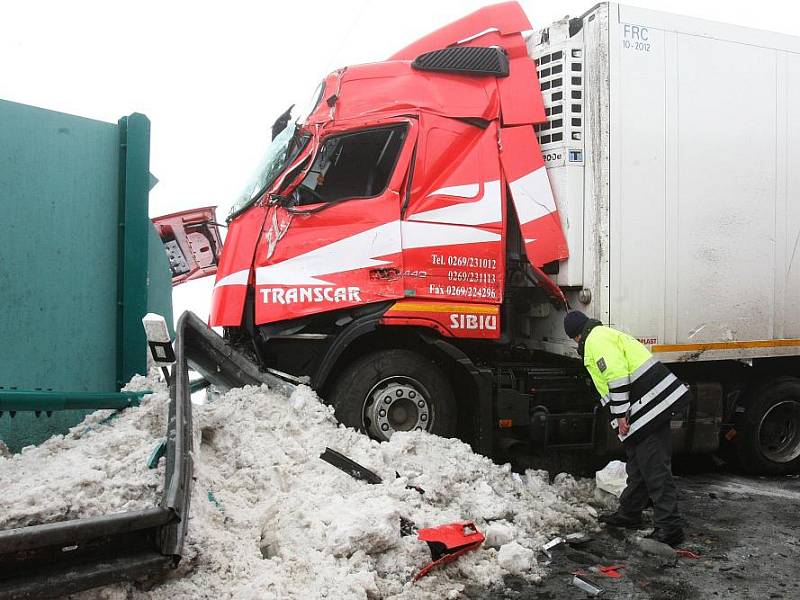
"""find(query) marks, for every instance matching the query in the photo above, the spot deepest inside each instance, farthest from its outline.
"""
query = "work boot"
(618, 519)
(670, 537)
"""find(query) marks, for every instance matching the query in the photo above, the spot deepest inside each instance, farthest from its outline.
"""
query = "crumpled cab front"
(402, 187)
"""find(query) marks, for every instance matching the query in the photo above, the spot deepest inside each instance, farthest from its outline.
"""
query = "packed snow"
(98, 467)
(270, 519)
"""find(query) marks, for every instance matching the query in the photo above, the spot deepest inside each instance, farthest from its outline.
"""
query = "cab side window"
(353, 165)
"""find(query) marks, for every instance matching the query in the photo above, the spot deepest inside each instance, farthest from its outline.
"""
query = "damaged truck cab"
(410, 248)
(383, 227)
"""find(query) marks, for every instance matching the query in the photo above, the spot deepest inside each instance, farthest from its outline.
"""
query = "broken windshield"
(285, 147)
(280, 153)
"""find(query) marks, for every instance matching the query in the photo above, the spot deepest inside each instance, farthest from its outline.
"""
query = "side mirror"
(192, 242)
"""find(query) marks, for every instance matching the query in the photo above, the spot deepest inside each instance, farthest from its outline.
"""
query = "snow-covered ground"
(269, 519)
(97, 468)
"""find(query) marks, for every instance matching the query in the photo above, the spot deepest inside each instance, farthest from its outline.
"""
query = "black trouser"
(649, 469)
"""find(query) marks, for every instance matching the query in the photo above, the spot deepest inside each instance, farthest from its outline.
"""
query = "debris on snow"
(269, 519)
(612, 478)
(588, 586)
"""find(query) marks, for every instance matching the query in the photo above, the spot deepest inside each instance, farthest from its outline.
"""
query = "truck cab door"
(335, 240)
(192, 242)
(454, 223)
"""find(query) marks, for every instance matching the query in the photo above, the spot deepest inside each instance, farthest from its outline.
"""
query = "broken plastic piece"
(587, 585)
(576, 539)
(448, 542)
(557, 541)
(213, 499)
(159, 450)
(349, 466)
(611, 571)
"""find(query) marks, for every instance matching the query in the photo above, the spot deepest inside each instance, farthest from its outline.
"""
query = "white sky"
(212, 77)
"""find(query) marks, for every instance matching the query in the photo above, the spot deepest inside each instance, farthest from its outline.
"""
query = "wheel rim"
(397, 404)
(779, 432)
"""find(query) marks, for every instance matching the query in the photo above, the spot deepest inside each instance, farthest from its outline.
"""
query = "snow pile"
(270, 519)
(97, 468)
(515, 558)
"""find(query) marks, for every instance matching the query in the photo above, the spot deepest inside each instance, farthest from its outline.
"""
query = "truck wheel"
(395, 390)
(769, 432)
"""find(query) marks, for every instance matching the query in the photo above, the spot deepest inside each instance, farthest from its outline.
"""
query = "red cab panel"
(451, 319)
(533, 199)
(453, 228)
(233, 274)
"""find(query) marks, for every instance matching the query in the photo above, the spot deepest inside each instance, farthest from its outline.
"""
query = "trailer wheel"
(395, 390)
(769, 431)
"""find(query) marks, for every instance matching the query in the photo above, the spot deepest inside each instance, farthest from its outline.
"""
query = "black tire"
(768, 432)
(402, 378)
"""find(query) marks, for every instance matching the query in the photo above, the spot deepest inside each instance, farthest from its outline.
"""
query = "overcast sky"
(212, 77)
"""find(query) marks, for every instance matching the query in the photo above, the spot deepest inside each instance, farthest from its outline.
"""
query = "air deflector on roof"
(465, 60)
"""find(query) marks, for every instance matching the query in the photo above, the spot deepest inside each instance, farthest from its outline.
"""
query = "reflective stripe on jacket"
(630, 381)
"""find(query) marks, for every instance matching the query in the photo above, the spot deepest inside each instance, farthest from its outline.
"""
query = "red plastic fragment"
(448, 542)
(611, 570)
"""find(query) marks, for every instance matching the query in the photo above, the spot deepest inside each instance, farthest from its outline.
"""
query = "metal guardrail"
(53, 559)
(220, 363)
(49, 560)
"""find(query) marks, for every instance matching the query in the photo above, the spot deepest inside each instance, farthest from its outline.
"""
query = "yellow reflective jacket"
(630, 381)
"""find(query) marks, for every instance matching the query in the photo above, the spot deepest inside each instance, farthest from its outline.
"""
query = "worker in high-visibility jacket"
(641, 395)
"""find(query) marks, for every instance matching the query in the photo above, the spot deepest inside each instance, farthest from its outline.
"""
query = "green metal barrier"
(80, 263)
(37, 401)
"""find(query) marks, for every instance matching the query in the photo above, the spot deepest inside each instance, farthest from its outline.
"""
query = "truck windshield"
(280, 153)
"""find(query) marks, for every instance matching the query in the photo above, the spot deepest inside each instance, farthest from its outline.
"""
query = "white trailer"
(672, 146)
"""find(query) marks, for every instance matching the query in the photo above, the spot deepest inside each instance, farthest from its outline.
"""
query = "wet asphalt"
(745, 531)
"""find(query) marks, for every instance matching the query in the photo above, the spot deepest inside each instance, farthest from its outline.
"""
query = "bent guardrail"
(53, 559)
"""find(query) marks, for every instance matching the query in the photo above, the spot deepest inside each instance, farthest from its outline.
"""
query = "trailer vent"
(564, 119)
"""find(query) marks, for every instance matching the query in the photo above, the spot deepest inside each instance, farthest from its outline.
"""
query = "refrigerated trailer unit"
(672, 146)
(412, 244)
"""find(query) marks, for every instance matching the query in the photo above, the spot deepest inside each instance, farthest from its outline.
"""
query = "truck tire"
(395, 390)
(768, 432)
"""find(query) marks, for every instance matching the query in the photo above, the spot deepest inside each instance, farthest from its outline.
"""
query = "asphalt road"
(745, 531)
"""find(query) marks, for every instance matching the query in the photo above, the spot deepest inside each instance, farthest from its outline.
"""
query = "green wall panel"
(58, 268)
(80, 262)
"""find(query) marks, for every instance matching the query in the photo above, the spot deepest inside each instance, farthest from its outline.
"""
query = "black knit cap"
(574, 323)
